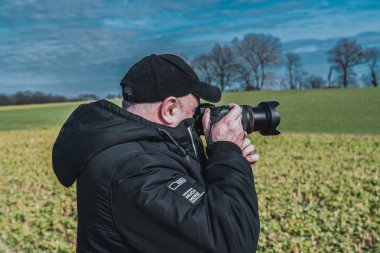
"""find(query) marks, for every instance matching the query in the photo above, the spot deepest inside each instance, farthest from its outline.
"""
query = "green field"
(326, 111)
(32, 116)
(318, 182)
(321, 111)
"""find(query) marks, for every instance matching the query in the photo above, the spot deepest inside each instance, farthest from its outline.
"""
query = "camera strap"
(213, 120)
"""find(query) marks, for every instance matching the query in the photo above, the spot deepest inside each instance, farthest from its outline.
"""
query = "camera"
(264, 118)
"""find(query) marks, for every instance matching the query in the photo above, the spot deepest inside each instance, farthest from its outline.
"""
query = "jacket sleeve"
(159, 208)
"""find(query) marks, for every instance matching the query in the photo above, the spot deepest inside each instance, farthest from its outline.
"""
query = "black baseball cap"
(157, 77)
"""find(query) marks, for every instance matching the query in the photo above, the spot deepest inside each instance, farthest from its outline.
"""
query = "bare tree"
(293, 62)
(243, 74)
(260, 51)
(329, 77)
(113, 96)
(204, 67)
(371, 55)
(85, 97)
(246, 49)
(38, 97)
(223, 63)
(299, 78)
(315, 81)
(344, 56)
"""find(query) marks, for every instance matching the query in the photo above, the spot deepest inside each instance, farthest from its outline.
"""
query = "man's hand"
(229, 128)
(248, 150)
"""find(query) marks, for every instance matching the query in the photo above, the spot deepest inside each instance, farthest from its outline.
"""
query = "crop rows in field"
(317, 193)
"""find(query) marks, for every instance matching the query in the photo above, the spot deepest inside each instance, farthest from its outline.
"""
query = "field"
(318, 182)
(328, 111)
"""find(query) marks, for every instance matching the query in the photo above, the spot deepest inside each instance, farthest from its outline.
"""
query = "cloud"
(306, 49)
(88, 45)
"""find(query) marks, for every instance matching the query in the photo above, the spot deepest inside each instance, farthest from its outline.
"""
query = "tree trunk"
(222, 83)
(248, 85)
(373, 78)
(345, 82)
(262, 76)
(329, 77)
(291, 78)
(257, 77)
(300, 83)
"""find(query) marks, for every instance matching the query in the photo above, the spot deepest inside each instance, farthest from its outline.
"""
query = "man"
(144, 183)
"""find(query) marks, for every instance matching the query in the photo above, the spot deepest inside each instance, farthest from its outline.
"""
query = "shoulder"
(149, 160)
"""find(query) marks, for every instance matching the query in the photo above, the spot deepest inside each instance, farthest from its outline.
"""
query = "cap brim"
(207, 92)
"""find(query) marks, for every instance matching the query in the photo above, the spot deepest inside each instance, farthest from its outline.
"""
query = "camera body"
(264, 118)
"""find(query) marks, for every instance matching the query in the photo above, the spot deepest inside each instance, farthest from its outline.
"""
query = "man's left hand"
(248, 150)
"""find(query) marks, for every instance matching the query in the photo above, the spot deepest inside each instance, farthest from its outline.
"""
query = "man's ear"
(169, 110)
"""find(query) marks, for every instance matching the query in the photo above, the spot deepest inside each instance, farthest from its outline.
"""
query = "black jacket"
(145, 187)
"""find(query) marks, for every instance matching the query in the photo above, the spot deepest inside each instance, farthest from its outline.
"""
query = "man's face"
(188, 105)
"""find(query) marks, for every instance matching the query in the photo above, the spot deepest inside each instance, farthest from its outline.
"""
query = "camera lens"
(264, 118)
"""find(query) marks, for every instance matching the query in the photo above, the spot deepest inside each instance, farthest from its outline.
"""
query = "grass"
(354, 111)
(318, 182)
(314, 111)
(37, 115)
(37, 214)
(317, 193)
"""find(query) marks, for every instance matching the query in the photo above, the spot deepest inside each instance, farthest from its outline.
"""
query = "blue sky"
(73, 46)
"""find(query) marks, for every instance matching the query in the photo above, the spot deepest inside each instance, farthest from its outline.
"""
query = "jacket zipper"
(192, 141)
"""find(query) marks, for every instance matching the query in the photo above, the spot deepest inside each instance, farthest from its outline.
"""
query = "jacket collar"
(183, 134)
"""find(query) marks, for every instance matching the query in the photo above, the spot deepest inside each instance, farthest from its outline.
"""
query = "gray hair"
(139, 108)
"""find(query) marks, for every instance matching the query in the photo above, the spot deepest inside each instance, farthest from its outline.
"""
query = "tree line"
(251, 63)
(38, 97)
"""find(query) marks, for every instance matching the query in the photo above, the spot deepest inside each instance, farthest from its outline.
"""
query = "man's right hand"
(229, 128)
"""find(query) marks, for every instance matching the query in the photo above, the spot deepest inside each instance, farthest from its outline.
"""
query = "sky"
(86, 46)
